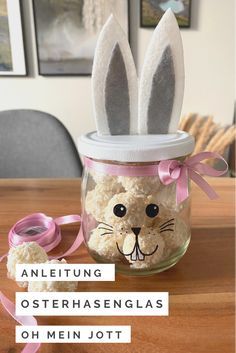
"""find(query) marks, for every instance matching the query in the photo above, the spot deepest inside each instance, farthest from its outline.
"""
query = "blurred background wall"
(209, 65)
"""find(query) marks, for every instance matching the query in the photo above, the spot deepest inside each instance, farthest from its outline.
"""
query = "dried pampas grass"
(208, 135)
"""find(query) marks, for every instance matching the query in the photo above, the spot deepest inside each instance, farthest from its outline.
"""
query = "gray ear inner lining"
(117, 103)
(162, 95)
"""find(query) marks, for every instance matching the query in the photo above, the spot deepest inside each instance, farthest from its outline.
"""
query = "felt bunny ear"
(162, 80)
(114, 82)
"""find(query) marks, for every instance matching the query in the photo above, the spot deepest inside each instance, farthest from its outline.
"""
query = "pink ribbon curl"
(46, 232)
(23, 320)
(176, 171)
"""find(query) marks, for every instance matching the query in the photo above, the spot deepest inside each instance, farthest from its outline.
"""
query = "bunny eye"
(152, 210)
(119, 210)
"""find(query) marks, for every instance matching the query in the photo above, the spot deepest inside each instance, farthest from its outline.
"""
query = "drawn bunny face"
(135, 220)
(121, 108)
(130, 223)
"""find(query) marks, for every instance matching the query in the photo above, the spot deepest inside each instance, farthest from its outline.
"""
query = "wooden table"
(201, 285)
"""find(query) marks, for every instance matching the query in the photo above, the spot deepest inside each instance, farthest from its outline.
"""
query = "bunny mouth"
(136, 254)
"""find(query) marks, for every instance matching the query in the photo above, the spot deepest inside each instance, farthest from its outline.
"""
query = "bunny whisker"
(105, 228)
(108, 225)
(170, 220)
(167, 225)
(106, 233)
(165, 230)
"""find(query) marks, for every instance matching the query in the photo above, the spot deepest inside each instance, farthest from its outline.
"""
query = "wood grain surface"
(201, 285)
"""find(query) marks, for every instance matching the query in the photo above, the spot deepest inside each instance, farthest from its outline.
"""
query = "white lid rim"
(180, 144)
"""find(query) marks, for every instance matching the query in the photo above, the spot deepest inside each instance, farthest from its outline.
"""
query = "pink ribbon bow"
(175, 171)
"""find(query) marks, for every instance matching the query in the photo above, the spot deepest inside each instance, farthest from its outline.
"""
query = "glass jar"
(133, 221)
(129, 217)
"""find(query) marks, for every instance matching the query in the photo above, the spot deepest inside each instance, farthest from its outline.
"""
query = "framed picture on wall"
(151, 11)
(67, 32)
(12, 55)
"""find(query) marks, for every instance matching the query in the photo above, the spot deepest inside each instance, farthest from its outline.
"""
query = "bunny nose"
(136, 231)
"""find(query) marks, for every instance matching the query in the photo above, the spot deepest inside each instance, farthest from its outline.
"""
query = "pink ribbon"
(46, 232)
(121, 170)
(169, 171)
(43, 230)
(175, 171)
(23, 320)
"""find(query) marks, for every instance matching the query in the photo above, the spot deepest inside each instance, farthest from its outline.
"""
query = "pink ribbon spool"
(43, 230)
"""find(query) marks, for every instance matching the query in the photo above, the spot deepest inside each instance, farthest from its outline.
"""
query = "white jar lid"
(136, 148)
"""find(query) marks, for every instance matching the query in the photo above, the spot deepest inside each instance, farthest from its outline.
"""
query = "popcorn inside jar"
(134, 214)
